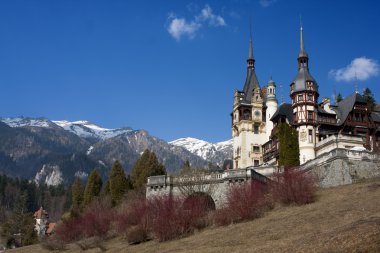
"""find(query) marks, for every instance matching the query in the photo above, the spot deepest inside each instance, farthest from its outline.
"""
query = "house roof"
(50, 228)
(345, 106)
(284, 110)
(250, 84)
(41, 213)
(321, 110)
(302, 77)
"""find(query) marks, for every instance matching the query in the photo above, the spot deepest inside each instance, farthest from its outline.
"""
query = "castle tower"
(271, 104)
(248, 119)
(304, 95)
(42, 220)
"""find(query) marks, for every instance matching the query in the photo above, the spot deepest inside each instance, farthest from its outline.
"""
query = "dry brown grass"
(343, 219)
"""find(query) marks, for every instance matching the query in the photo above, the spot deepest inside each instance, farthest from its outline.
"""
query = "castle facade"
(351, 124)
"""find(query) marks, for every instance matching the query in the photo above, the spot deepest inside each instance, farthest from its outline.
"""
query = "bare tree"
(197, 181)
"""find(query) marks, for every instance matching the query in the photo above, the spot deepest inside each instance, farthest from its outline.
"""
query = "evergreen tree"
(147, 165)
(367, 93)
(93, 187)
(339, 98)
(19, 229)
(118, 183)
(289, 148)
(106, 188)
(77, 195)
(186, 168)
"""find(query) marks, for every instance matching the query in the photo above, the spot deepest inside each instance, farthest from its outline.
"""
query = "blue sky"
(171, 67)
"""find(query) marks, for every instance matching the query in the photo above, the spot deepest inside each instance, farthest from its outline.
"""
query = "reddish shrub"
(196, 208)
(293, 186)
(95, 221)
(135, 213)
(69, 230)
(222, 217)
(169, 220)
(246, 201)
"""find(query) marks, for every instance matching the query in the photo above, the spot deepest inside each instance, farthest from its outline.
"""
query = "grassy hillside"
(343, 219)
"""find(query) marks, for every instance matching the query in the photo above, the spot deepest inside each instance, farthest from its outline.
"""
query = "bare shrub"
(169, 220)
(222, 217)
(293, 186)
(69, 230)
(196, 208)
(91, 243)
(96, 220)
(246, 201)
(135, 212)
(137, 234)
(53, 244)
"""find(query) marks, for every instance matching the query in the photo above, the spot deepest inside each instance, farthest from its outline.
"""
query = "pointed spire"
(302, 46)
(250, 60)
(250, 52)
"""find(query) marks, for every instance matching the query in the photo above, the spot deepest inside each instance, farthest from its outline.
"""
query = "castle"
(351, 124)
(339, 144)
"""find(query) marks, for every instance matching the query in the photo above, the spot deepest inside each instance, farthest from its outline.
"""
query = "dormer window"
(292, 87)
(310, 86)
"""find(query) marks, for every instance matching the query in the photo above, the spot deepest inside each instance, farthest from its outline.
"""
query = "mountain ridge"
(56, 151)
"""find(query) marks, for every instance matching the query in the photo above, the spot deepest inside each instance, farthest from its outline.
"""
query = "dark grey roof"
(321, 110)
(303, 75)
(250, 84)
(375, 116)
(345, 106)
(271, 82)
(284, 110)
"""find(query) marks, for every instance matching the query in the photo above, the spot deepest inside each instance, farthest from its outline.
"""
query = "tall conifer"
(147, 165)
(118, 184)
(77, 195)
(289, 148)
(93, 187)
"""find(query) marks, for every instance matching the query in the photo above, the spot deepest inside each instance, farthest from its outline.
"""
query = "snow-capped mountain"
(23, 122)
(52, 152)
(81, 128)
(86, 129)
(212, 152)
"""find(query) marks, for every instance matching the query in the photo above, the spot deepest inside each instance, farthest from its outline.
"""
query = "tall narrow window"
(255, 129)
(310, 116)
(310, 136)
